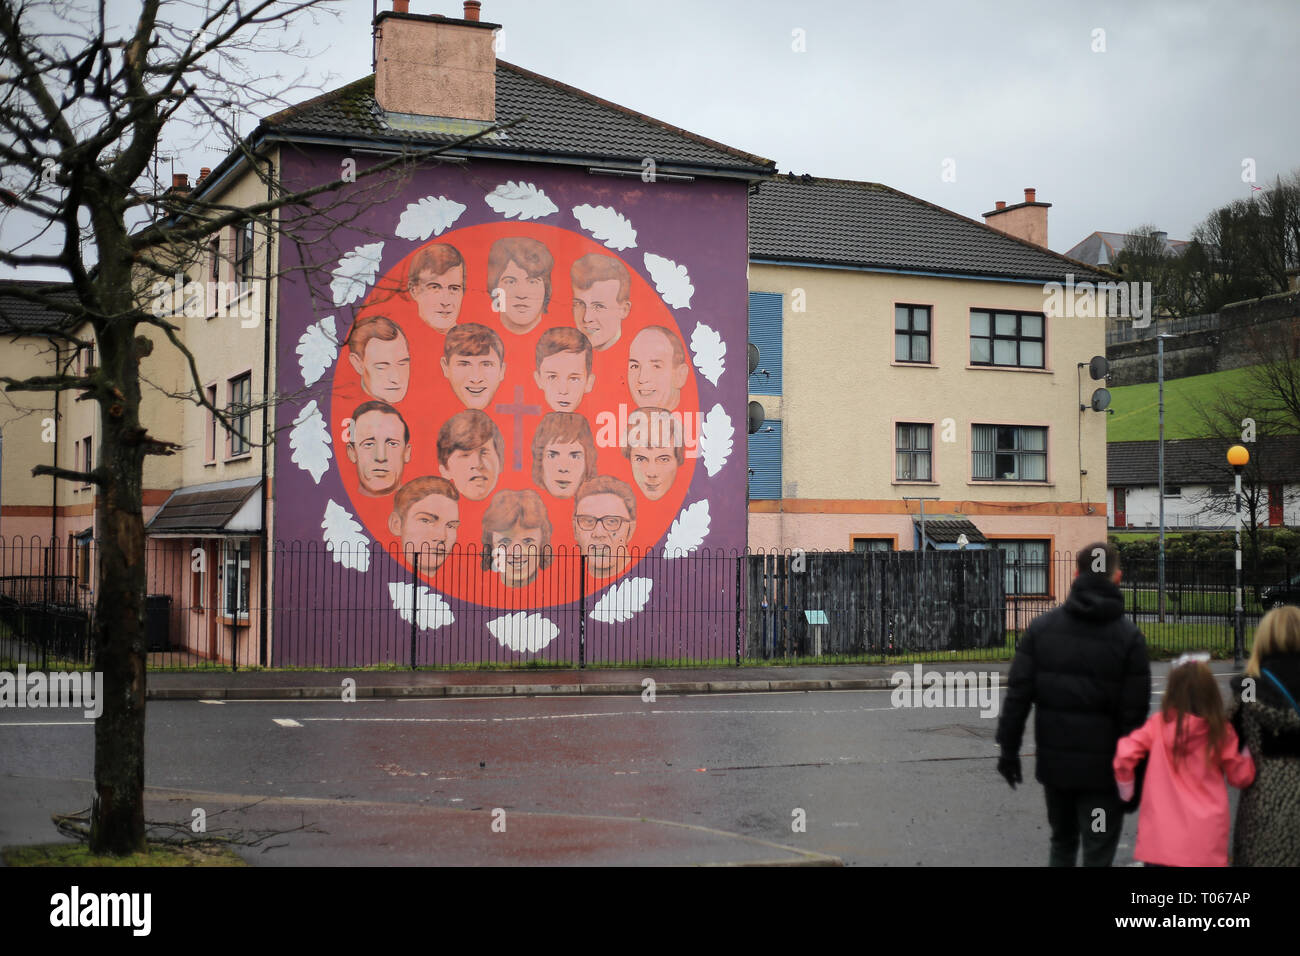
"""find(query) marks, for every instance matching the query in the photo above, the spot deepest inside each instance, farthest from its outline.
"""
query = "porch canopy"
(216, 509)
(943, 533)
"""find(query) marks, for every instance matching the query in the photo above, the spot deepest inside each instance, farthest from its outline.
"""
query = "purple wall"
(329, 611)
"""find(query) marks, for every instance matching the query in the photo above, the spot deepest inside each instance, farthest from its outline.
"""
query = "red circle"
(429, 402)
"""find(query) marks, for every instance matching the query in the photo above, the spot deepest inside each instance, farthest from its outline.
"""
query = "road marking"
(48, 723)
(286, 722)
(211, 701)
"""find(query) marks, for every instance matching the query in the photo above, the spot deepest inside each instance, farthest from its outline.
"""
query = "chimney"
(181, 182)
(430, 65)
(1025, 220)
(204, 173)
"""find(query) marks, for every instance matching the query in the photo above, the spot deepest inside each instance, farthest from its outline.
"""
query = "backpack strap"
(1278, 684)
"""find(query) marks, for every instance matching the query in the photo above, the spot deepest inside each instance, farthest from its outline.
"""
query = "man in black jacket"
(1085, 667)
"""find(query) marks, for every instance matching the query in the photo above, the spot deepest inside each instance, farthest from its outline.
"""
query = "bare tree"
(90, 94)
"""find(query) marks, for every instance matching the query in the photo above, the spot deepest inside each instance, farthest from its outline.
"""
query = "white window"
(235, 577)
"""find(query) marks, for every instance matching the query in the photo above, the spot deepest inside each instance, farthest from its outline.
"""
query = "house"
(909, 366)
(1199, 484)
(435, 379)
(1101, 249)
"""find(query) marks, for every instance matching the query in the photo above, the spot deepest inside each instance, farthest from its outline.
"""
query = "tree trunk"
(117, 824)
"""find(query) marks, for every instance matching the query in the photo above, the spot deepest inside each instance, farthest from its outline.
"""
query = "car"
(1287, 592)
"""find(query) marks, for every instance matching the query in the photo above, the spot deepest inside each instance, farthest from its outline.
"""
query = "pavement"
(288, 685)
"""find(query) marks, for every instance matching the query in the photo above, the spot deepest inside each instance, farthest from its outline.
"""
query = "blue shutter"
(765, 332)
(765, 461)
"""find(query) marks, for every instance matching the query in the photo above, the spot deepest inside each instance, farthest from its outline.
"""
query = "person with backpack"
(1084, 667)
(1189, 747)
(1267, 719)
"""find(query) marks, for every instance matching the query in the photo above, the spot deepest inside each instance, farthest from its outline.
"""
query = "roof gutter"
(978, 277)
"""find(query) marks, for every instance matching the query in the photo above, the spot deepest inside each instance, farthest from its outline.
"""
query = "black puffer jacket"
(1268, 814)
(1084, 665)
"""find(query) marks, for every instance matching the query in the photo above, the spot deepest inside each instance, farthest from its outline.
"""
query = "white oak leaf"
(672, 280)
(431, 216)
(688, 530)
(522, 632)
(710, 352)
(607, 225)
(310, 440)
(318, 348)
(520, 199)
(622, 601)
(356, 270)
(345, 539)
(715, 439)
(428, 608)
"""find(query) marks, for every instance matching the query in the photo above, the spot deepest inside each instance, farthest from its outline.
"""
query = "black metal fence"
(372, 608)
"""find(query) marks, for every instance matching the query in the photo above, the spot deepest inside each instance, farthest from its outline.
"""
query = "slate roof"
(1198, 461)
(202, 509)
(562, 121)
(946, 530)
(842, 222)
(1101, 248)
(22, 317)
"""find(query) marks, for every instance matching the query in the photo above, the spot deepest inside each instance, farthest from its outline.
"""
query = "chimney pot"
(472, 8)
(180, 180)
(1030, 194)
(204, 172)
(401, 6)
(1000, 204)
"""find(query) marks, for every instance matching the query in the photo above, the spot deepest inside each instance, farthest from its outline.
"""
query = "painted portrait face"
(522, 298)
(517, 554)
(563, 468)
(563, 378)
(385, 369)
(603, 527)
(438, 297)
(428, 529)
(380, 451)
(474, 472)
(598, 314)
(654, 470)
(474, 378)
(652, 376)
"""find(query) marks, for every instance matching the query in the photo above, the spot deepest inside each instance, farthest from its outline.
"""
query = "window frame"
(239, 441)
(993, 337)
(236, 552)
(1017, 452)
(245, 246)
(1042, 568)
(914, 452)
(891, 542)
(911, 333)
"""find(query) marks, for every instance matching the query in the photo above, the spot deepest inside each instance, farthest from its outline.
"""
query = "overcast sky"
(1147, 122)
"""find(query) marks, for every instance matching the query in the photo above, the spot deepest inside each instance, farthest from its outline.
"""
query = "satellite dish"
(1100, 400)
(753, 357)
(1098, 367)
(757, 413)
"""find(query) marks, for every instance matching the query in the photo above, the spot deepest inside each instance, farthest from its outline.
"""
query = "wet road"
(785, 777)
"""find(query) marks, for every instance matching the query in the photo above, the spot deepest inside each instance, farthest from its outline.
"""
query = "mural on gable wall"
(519, 399)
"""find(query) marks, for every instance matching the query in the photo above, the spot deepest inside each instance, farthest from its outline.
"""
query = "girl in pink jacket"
(1183, 819)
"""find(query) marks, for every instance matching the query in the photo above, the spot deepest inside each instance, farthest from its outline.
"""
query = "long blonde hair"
(1278, 633)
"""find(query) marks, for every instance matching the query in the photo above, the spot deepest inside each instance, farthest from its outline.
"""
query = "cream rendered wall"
(24, 499)
(228, 344)
(843, 393)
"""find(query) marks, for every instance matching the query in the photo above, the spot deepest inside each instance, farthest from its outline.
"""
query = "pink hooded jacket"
(1184, 819)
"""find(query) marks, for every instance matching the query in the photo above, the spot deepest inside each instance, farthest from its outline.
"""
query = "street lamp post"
(1238, 456)
(1160, 401)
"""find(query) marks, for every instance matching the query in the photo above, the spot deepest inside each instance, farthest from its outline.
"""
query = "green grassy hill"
(1135, 417)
